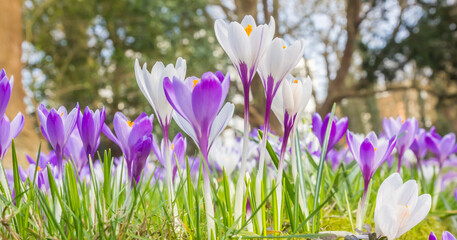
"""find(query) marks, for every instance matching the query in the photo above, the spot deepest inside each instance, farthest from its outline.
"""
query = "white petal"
(288, 97)
(407, 194)
(185, 126)
(221, 30)
(387, 190)
(248, 19)
(181, 68)
(221, 121)
(278, 105)
(239, 42)
(385, 222)
(418, 214)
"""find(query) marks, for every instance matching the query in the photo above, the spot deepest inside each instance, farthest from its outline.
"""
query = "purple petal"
(179, 96)
(55, 130)
(367, 159)
(206, 98)
(447, 236)
(432, 236)
(317, 125)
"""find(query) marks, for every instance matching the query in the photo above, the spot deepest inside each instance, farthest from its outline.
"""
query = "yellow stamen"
(283, 47)
(130, 123)
(195, 82)
(375, 149)
(403, 121)
(61, 114)
(38, 168)
(248, 29)
(172, 146)
(295, 81)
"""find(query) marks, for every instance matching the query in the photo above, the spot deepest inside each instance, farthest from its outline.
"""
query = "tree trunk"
(10, 59)
(335, 86)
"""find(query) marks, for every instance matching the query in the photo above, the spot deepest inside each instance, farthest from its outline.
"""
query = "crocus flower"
(9, 131)
(75, 150)
(446, 236)
(277, 62)
(198, 105)
(134, 139)
(398, 207)
(245, 44)
(177, 149)
(46, 160)
(57, 127)
(6, 88)
(289, 105)
(441, 147)
(419, 146)
(90, 126)
(369, 153)
(151, 85)
(338, 128)
(405, 132)
(336, 157)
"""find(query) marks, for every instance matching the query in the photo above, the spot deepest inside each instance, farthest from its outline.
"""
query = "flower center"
(172, 146)
(130, 123)
(248, 29)
(375, 149)
(284, 47)
(295, 81)
(403, 214)
(38, 168)
(195, 82)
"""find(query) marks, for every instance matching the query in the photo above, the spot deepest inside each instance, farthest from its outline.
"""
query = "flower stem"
(210, 226)
(240, 186)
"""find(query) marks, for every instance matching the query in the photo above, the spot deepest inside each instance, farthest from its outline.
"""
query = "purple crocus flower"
(177, 149)
(446, 236)
(6, 88)
(405, 132)
(75, 151)
(134, 139)
(441, 147)
(198, 104)
(419, 146)
(41, 180)
(369, 153)
(57, 126)
(336, 157)
(90, 126)
(9, 131)
(338, 128)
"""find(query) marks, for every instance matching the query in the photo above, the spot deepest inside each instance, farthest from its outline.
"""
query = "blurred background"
(374, 58)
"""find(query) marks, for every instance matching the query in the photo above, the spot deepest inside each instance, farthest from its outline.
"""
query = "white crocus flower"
(245, 44)
(278, 62)
(292, 97)
(398, 207)
(151, 85)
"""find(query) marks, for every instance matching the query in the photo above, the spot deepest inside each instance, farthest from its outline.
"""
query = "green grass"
(113, 209)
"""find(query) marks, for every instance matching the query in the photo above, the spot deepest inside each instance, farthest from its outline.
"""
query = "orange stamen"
(61, 114)
(283, 47)
(172, 146)
(295, 81)
(195, 82)
(248, 29)
(130, 123)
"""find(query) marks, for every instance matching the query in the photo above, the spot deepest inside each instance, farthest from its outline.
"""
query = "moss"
(421, 231)
(336, 223)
